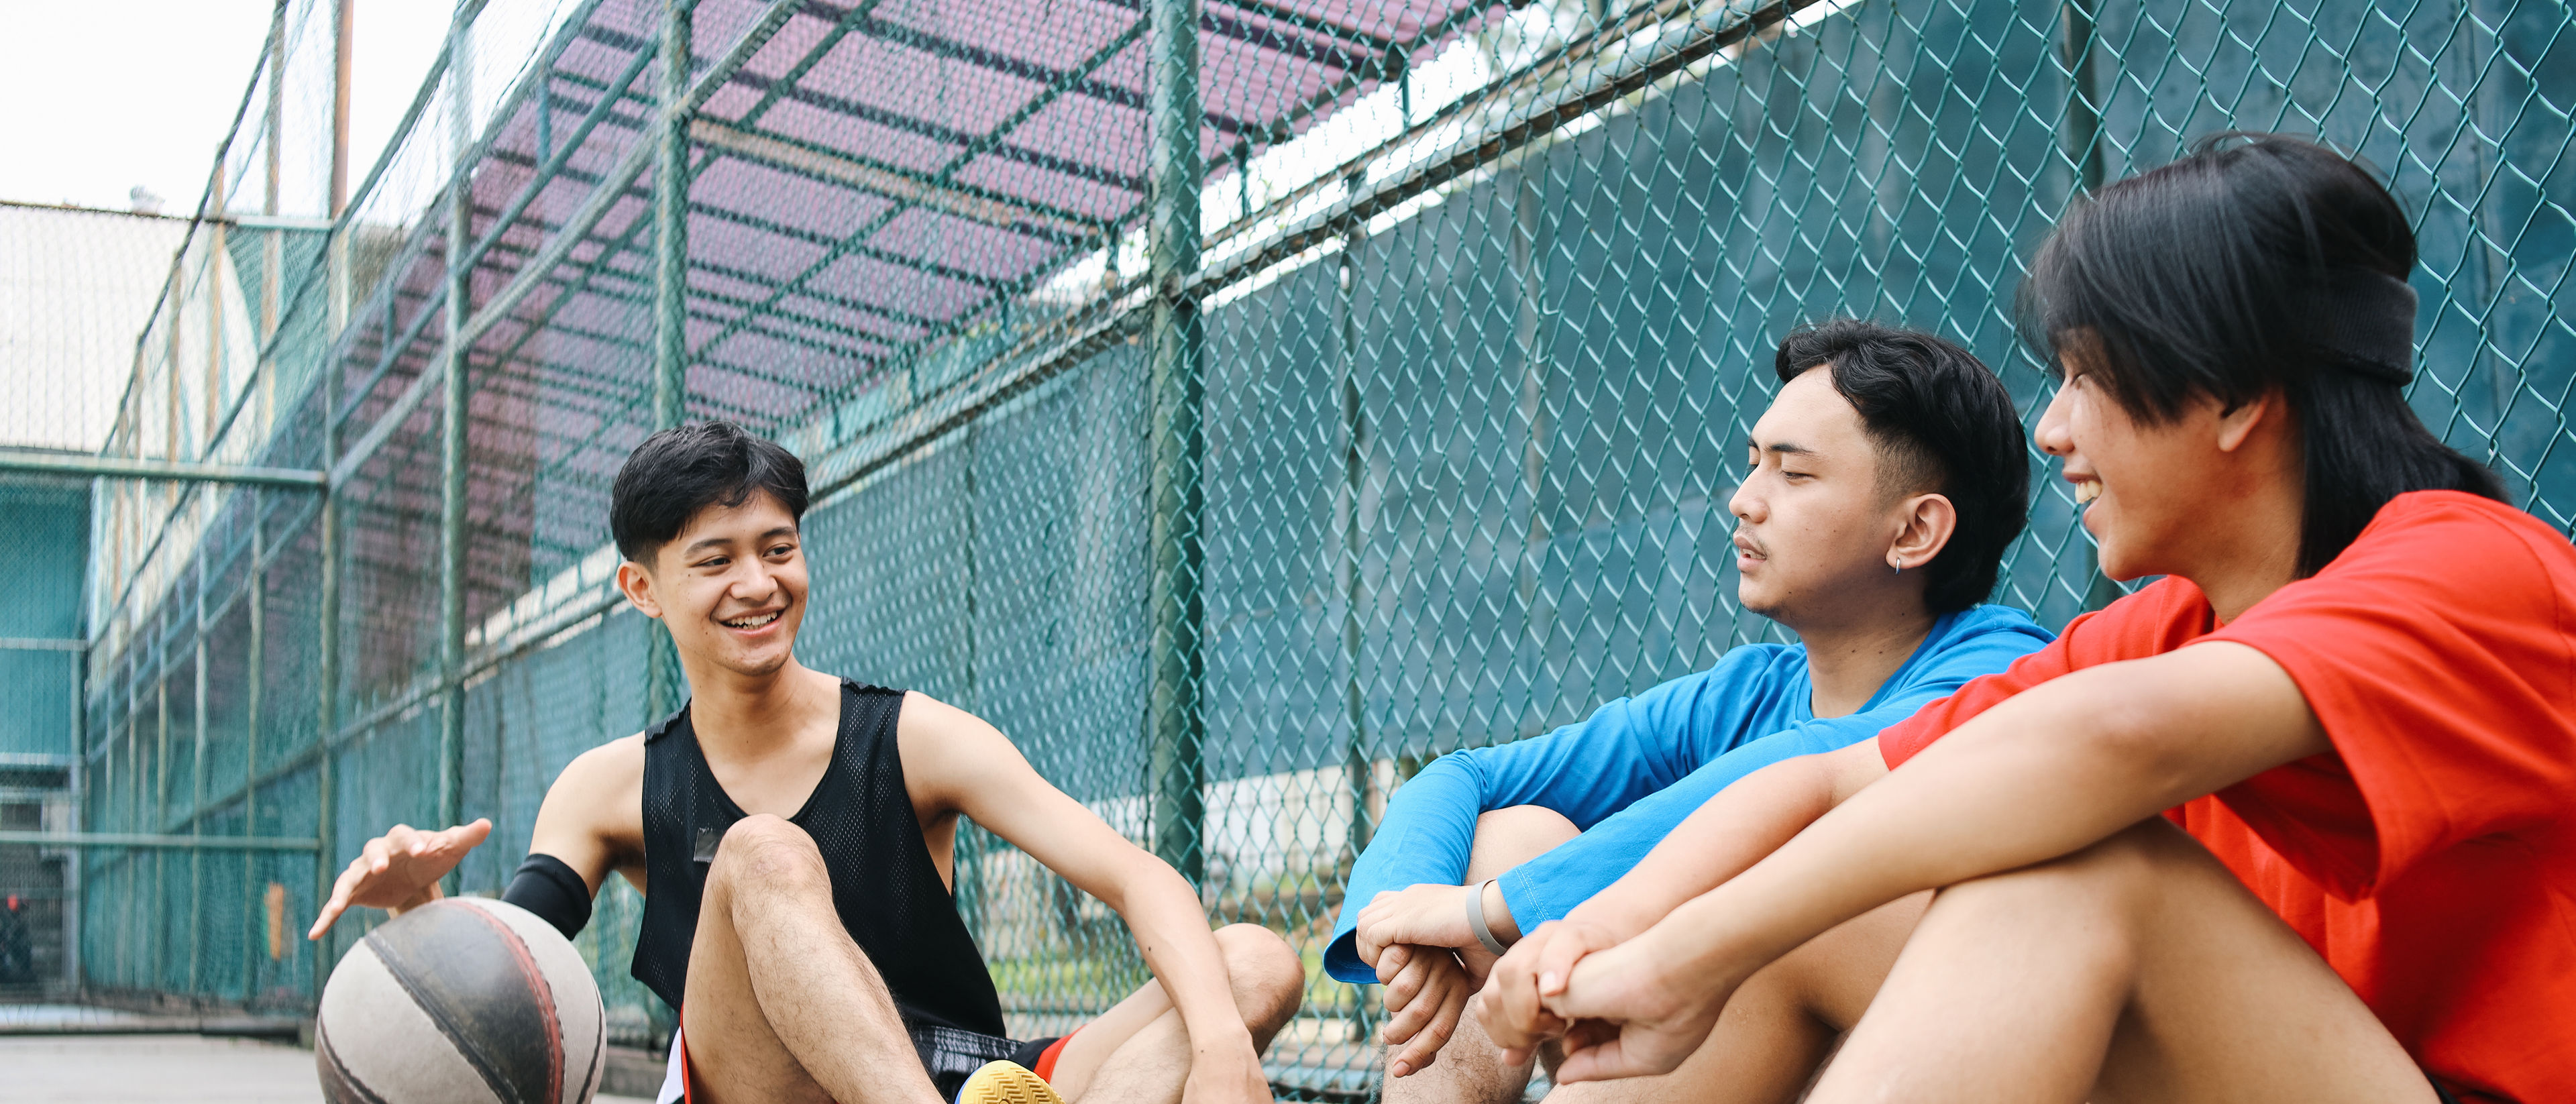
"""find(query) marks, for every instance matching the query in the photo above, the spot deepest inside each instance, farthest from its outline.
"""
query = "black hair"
(1941, 422)
(2248, 266)
(684, 469)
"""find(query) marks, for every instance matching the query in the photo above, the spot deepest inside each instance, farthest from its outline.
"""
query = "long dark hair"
(2259, 261)
(1940, 421)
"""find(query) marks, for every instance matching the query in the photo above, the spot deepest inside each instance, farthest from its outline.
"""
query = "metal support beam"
(1175, 721)
(197, 755)
(452, 485)
(182, 471)
(665, 684)
(671, 222)
(327, 527)
(254, 679)
(145, 841)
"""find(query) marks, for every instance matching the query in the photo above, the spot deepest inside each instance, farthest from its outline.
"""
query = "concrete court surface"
(153, 1069)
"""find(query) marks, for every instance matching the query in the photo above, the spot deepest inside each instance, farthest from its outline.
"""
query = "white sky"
(103, 97)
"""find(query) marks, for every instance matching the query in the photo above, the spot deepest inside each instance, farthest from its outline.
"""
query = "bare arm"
(2046, 773)
(1734, 830)
(964, 764)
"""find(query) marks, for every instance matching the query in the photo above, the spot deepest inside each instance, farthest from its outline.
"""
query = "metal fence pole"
(197, 756)
(256, 670)
(1175, 722)
(327, 635)
(452, 423)
(2080, 137)
(671, 222)
(665, 686)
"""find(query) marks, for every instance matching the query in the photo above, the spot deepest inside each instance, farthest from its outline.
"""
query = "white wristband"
(1476, 918)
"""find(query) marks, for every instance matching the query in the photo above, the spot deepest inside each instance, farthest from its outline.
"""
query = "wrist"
(1498, 912)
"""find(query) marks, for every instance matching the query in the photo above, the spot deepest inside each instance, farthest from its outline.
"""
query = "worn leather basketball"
(464, 999)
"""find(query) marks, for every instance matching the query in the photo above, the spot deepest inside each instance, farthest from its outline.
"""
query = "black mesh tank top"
(883, 884)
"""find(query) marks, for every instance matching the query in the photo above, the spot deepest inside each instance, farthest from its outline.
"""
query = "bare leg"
(782, 1005)
(1470, 1068)
(1140, 1051)
(2136, 970)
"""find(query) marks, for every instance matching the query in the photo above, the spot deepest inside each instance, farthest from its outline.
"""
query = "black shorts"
(952, 1055)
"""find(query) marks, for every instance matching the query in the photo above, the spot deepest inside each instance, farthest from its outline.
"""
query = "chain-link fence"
(1238, 402)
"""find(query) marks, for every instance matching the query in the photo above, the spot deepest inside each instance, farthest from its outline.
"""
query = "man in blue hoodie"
(1885, 483)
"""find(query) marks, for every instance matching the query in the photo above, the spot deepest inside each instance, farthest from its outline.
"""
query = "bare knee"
(770, 854)
(2120, 876)
(1506, 838)
(1269, 979)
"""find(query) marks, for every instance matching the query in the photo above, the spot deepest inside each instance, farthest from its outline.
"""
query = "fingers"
(1424, 1047)
(1554, 960)
(1510, 1009)
(1405, 981)
(452, 844)
(338, 903)
(379, 852)
(1603, 1061)
(1391, 960)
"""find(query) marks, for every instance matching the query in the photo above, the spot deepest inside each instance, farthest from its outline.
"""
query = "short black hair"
(684, 469)
(1941, 422)
(2214, 276)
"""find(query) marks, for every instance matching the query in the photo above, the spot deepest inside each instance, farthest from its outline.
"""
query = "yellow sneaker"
(1006, 1083)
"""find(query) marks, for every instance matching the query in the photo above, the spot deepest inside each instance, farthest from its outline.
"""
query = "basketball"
(464, 999)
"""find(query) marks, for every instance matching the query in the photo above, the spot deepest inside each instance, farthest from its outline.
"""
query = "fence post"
(1175, 722)
(326, 720)
(2080, 142)
(451, 518)
(665, 687)
(671, 223)
(255, 672)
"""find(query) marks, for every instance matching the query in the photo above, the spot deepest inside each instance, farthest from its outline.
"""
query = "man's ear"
(1923, 527)
(2236, 425)
(637, 585)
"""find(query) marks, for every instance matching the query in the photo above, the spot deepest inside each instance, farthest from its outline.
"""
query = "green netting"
(1237, 409)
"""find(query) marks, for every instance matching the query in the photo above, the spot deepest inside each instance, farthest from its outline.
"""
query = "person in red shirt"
(2352, 697)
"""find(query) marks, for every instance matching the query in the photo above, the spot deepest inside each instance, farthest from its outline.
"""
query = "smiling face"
(1815, 520)
(731, 587)
(2151, 493)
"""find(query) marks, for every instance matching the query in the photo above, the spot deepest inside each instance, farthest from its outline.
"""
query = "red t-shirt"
(2431, 858)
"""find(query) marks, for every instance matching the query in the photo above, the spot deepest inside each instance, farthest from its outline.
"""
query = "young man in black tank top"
(794, 838)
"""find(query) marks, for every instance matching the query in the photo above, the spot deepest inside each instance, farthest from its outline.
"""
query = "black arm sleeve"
(550, 889)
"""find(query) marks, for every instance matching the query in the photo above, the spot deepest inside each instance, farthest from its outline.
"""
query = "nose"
(755, 584)
(2054, 437)
(1744, 504)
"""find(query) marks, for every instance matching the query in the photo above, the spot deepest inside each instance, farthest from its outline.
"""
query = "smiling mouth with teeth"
(2087, 491)
(755, 622)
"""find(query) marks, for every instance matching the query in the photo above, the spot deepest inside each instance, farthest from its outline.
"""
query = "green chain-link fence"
(1238, 402)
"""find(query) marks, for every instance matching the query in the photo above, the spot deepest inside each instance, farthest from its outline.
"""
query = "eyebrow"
(712, 542)
(1785, 448)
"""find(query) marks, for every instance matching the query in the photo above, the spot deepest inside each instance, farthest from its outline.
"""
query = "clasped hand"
(1617, 1007)
(1430, 964)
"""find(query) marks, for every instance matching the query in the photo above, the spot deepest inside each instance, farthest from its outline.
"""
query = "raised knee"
(768, 851)
(2117, 879)
(1506, 838)
(1269, 979)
